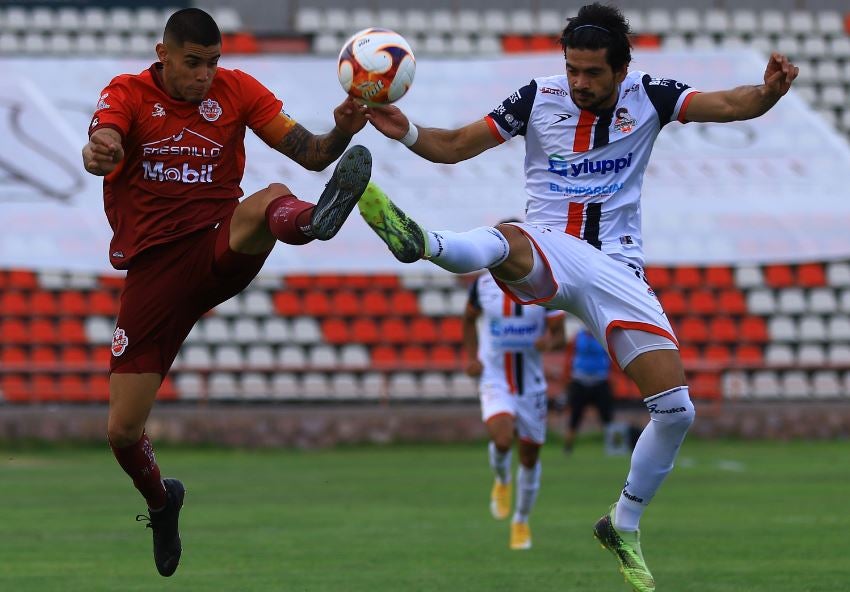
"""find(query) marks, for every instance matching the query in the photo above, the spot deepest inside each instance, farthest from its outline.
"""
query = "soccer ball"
(376, 66)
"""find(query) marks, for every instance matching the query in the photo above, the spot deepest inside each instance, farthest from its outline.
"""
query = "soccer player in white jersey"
(588, 136)
(504, 342)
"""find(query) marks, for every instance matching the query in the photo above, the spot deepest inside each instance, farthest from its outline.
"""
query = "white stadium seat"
(434, 385)
(345, 386)
(812, 328)
(52, 280)
(354, 355)
(826, 72)
(839, 355)
(291, 356)
(195, 356)
(361, 18)
(222, 386)
(551, 22)
(434, 45)
(789, 46)
(17, 19)
(228, 356)
(456, 301)
(9, 43)
(246, 331)
(810, 355)
(839, 48)
(227, 18)
(306, 330)
(735, 385)
(658, 21)
(794, 384)
(94, 20)
(254, 386)
(822, 301)
(801, 22)
(68, 20)
(285, 387)
(761, 302)
(782, 328)
(230, 307)
(779, 354)
(765, 384)
(217, 330)
(792, 301)
(826, 384)
(403, 386)
(838, 273)
(99, 329)
(490, 45)
(687, 20)
(87, 44)
(521, 22)
(748, 276)
(830, 23)
(844, 301)
(636, 19)
(468, 21)
(81, 280)
(189, 385)
(390, 18)
(462, 386)
(120, 20)
(327, 44)
(308, 20)
(743, 21)
(833, 95)
(338, 20)
(433, 303)
(716, 21)
(675, 42)
(42, 19)
(703, 42)
(494, 21)
(373, 386)
(773, 22)
(259, 356)
(838, 328)
(323, 356)
(148, 21)
(275, 330)
(315, 386)
(460, 44)
(34, 43)
(257, 303)
(814, 48)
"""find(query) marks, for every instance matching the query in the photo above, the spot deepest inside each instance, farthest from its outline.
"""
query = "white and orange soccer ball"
(376, 66)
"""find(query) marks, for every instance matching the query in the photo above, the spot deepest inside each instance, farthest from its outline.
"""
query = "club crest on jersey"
(119, 342)
(158, 110)
(209, 109)
(624, 122)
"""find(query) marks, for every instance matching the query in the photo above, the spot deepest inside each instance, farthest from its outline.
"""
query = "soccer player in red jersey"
(169, 143)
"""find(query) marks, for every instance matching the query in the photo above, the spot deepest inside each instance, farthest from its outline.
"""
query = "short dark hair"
(191, 25)
(599, 26)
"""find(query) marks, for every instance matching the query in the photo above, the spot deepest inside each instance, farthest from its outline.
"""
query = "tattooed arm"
(317, 152)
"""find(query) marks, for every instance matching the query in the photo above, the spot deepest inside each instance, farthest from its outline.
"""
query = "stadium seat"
(687, 277)
(103, 303)
(772, 22)
(389, 18)
(494, 21)
(375, 303)
(444, 356)
(228, 356)
(828, 23)
(659, 278)
(308, 19)
(718, 354)
(782, 329)
(43, 356)
(11, 356)
(779, 354)
(373, 386)
(748, 276)
(467, 21)
(706, 385)
(434, 385)
(765, 385)
(259, 356)
(336, 331)
(230, 307)
(812, 328)
(838, 328)
(327, 44)
(521, 22)
(674, 303)
(794, 384)
(838, 355)
(364, 330)
(811, 275)
(822, 301)
(404, 303)
(826, 384)
(423, 330)
(148, 21)
(14, 304)
(403, 386)
(323, 356)
(716, 21)
(246, 330)
(811, 355)
(275, 330)
(723, 329)
(690, 353)
(702, 302)
(844, 301)
(345, 386)
(291, 357)
(801, 23)
(195, 357)
(791, 301)
(222, 386)
(838, 273)
(253, 386)
(743, 21)
(749, 355)
(256, 303)
(305, 330)
(433, 302)
(21, 280)
(731, 302)
(394, 330)
(658, 20)
(227, 18)
(345, 303)
(317, 303)
(687, 21)
(362, 18)
(285, 387)
(337, 20)
(72, 303)
(735, 385)
(414, 356)
(10, 43)
(692, 330)
(216, 330)
(451, 330)
(779, 276)
(719, 278)
(354, 355)
(97, 387)
(75, 356)
(385, 356)
(753, 330)
(67, 20)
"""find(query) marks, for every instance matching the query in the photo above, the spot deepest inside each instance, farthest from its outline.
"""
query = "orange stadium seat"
(705, 385)
(21, 279)
(345, 303)
(71, 330)
(16, 388)
(288, 304)
(404, 303)
(687, 277)
(451, 330)
(111, 282)
(335, 331)
(73, 388)
(365, 330)
(104, 303)
(13, 356)
(723, 330)
(749, 355)
(43, 355)
(394, 330)
(167, 390)
(385, 281)
(702, 302)
(658, 277)
(328, 282)
(43, 304)
(375, 303)
(359, 282)
(73, 303)
(444, 356)
(14, 304)
(719, 277)
(424, 330)
(778, 276)
(693, 330)
(298, 282)
(719, 354)
(14, 331)
(731, 302)
(101, 355)
(811, 275)
(98, 387)
(317, 303)
(753, 330)
(384, 356)
(674, 303)
(44, 331)
(414, 356)
(44, 387)
(75, 356)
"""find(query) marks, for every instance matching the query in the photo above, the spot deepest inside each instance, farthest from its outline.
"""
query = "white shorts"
(603, 292)
(527, 409)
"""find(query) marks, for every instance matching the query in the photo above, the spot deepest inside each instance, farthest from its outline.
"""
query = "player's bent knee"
(672, 408)
(122, 434)
(275, 190)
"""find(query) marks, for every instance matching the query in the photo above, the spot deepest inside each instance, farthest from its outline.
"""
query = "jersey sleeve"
(669, 97)
(259, 105)
(554, 314)
(474, 300)
(114, 108)
(510, 118)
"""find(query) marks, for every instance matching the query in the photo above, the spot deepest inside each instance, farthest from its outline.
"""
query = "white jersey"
(506, 336)
(584, 169)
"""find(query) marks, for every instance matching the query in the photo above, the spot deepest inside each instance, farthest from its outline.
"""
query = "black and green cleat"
(404, 237)
(626, 548)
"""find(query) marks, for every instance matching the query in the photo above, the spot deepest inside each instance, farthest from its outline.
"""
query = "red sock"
(289, 219)
(139, 462)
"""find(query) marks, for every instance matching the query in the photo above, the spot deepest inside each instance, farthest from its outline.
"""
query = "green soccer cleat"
(626, 548)
(403, 236)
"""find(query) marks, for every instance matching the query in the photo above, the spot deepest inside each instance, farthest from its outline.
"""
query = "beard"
(591, 102)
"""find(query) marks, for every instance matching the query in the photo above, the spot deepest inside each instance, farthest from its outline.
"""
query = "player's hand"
(350, 117)
(102, 154)
(542, 344)
(474, 368)
(389, 120)
(779, 74)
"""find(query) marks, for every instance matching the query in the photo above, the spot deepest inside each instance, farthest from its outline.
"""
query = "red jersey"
(183, 162)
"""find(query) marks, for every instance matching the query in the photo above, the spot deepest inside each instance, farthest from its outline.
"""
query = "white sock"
(500, 462)
(464, 252)
(671, 413)
(528, 484)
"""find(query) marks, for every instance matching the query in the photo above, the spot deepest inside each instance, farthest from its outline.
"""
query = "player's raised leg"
(504, 249)
(660, 377)
(131, 398)
(275, 214)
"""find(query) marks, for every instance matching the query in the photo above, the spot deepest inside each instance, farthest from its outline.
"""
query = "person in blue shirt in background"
(588, 385)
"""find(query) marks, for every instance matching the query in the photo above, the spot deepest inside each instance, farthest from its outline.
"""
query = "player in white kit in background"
(504, 343)
(588, 137)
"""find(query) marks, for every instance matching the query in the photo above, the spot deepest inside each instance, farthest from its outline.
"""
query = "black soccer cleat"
(166, 538)
(347, 183)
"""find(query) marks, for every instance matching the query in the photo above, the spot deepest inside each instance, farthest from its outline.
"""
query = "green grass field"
(733, 516)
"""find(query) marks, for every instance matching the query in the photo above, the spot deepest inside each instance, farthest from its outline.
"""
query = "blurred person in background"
(589, 369)
(588, 136)
(506, 357)
(169, 143)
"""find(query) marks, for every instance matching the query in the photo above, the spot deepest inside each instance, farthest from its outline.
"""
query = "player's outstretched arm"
(103, 152)
(745, 102)
(434, 144)
(315, 152)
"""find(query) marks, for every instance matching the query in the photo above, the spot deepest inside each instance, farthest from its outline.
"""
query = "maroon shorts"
(168, 288)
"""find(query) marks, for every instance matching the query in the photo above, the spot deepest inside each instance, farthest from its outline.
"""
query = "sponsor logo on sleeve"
(547, 90)
(101, 102)
(158, 110)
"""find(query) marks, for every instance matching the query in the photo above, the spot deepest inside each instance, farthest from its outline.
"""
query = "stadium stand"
(749, 331)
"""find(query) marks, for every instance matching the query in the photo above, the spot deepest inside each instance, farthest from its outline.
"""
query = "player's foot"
(500, 500)
(347, 183)
(626, 548)
(403, 236)
(166, 539)
(520, 536)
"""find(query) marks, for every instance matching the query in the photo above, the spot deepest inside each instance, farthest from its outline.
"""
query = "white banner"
(770, 189)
